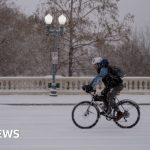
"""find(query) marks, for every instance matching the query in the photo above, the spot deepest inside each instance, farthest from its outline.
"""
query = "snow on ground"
(47, 127)
(63, 99)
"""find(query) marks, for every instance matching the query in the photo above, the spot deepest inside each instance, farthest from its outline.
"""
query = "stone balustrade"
(67, 85)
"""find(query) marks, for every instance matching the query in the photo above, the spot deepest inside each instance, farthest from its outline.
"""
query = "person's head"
(99, 62)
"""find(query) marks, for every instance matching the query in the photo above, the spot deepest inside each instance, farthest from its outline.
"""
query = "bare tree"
(24, 48)
(132, 55)
(89, 21)
(92, 29)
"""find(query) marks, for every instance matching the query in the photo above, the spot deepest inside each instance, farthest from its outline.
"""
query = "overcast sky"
(140, 9)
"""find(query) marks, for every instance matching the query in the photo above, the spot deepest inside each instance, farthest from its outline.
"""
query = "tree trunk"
(70, 71)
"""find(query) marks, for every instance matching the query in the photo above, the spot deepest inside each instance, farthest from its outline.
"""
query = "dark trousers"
(110, 95)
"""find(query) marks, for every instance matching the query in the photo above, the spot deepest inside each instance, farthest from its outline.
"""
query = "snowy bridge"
(66, 85)
(44, 122)
(44, 126)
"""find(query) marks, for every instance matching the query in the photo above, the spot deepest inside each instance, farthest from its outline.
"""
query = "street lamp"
(55, 31)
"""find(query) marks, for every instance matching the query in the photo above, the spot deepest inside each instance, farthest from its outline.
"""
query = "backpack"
(116, 72)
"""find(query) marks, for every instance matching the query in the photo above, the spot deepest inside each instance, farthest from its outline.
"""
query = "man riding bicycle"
(113, 84)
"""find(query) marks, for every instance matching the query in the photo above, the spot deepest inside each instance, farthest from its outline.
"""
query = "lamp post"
(55, 31)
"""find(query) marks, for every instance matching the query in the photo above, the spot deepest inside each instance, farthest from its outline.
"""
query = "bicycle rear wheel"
(85, 115)
(131, 112)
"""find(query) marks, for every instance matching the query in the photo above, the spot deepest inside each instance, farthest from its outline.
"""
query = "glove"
(87, 88)
(84, 87)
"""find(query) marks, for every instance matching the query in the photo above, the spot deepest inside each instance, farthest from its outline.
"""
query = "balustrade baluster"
(68, 84)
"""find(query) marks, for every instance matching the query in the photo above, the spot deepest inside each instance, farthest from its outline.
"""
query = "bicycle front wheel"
(85, 115)
(131, 113)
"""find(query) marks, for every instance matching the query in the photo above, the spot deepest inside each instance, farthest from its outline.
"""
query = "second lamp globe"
(62, 19)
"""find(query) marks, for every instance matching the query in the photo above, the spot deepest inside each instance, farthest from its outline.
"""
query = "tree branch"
(56, 3)
(82, 45)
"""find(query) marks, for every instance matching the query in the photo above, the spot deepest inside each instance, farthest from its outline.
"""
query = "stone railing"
(67, 85)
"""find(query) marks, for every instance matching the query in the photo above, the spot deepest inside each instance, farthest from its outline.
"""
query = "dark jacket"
(105, 76)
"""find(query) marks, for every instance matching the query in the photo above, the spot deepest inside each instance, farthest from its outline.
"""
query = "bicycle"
(86, 114)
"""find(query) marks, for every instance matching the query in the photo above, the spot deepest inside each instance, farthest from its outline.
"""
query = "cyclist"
(113, 85)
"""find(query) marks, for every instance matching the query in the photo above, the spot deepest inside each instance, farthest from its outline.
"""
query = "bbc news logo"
(9, 134)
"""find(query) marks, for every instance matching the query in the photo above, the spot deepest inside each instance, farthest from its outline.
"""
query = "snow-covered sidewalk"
(46, 127)
(51, 128)
(62, 99)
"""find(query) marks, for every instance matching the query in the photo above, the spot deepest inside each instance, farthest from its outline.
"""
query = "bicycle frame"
(100, 107)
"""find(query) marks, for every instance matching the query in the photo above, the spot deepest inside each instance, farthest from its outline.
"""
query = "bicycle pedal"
(108, 119)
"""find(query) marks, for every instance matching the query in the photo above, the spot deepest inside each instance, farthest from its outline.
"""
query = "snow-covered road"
(48, 127)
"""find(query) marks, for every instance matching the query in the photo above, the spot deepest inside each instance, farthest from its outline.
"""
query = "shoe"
(119, 116)
(102, 113)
